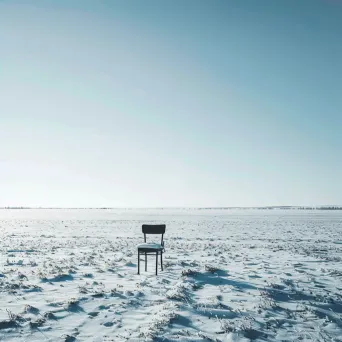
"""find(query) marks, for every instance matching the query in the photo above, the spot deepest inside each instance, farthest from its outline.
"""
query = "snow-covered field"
(230, 275)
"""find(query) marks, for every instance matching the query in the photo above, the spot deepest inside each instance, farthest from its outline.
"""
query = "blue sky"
(170, 103)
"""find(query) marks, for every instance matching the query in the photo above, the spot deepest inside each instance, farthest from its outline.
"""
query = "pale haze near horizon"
(178, 103)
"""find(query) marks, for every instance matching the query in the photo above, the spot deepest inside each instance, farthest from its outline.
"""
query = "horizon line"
(185, 207)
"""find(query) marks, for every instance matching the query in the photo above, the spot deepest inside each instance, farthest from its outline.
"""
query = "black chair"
(152, 248)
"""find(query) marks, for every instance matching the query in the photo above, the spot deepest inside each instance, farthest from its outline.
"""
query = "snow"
(229, 275)
(150, 245)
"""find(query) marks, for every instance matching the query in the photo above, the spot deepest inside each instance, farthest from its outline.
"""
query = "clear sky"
(170, 103)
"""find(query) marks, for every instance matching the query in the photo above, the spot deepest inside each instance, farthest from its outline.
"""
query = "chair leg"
(161, 260)
(157, 263)
(138, 262)
(145, 262)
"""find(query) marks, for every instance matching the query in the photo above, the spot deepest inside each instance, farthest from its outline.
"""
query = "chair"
(152, 248)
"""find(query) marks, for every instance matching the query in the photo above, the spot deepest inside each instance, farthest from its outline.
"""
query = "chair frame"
(152, 229)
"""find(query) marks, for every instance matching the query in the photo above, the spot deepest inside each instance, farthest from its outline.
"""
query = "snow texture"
(229, 275)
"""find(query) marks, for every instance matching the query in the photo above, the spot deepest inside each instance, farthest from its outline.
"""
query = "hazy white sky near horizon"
(170, 103)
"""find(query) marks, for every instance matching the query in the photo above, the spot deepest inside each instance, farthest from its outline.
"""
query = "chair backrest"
(154, 229)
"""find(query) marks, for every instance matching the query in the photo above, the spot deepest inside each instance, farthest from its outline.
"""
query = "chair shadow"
(219, 278)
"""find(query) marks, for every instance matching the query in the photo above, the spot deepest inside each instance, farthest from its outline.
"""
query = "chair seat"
(150, 246)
